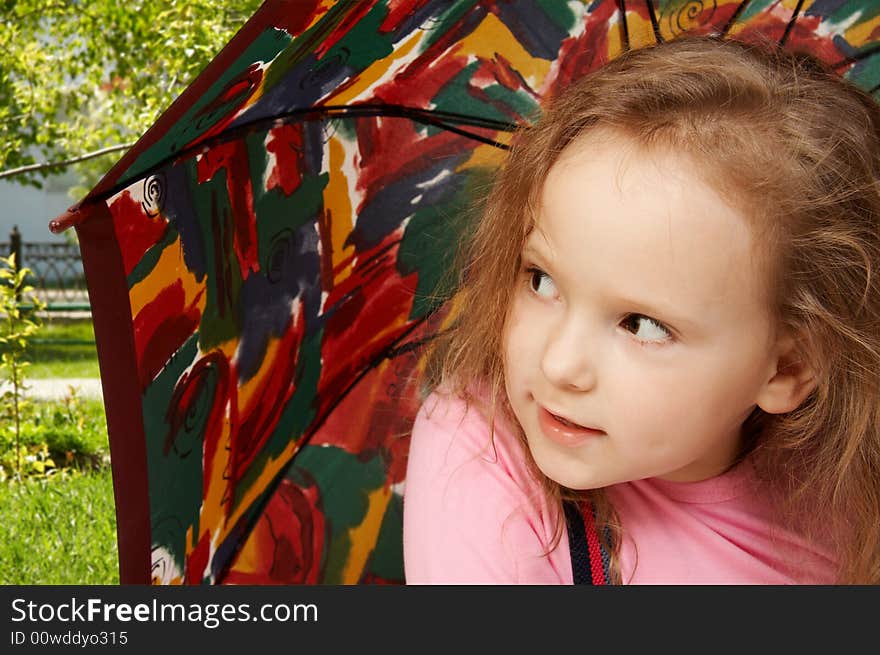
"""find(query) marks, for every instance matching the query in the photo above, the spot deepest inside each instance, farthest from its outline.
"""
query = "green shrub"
(67, 433)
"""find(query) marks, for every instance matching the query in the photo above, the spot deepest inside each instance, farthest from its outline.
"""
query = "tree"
(79, 77)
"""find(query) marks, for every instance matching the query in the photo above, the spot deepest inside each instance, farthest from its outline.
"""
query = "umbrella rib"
(734, 17)
(621, 5)
(654, 24)
(790, 26)
(424, 116)
(864, 54)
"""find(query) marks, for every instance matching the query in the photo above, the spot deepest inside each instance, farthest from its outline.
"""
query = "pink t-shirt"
(474, 514)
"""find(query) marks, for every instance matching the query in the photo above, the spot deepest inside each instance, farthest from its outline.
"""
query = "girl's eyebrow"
(530, 249)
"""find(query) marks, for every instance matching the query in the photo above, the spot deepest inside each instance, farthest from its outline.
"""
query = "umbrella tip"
(66, 220)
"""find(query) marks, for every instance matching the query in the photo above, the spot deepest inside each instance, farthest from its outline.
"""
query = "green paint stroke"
(220, 320)
(305, 44)
(433, 236)
(559, 13)
(456, 97)
(345, 482)
(150, 258)
(448, 19)
(386, 561)
(175, 479)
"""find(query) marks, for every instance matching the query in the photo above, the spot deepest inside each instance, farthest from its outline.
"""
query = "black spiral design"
(686, 17)
(154, 195)
(191, 405)
(165, 562)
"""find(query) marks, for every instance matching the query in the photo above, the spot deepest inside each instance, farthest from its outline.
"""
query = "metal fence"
(56, 271)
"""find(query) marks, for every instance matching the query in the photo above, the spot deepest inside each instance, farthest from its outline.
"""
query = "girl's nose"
(567, 362)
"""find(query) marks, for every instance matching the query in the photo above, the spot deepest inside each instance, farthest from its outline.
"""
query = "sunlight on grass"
(59, 525)
(60, 530)
(61, 359)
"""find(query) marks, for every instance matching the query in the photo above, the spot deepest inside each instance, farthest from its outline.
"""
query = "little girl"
(670, 314)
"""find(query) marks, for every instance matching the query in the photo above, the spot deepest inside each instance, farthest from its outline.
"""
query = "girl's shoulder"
(466, 429)
(473, 512)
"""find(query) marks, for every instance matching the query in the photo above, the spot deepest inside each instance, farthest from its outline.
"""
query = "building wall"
(31, 209)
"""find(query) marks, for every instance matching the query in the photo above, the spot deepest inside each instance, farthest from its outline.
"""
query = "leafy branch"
(21, 323)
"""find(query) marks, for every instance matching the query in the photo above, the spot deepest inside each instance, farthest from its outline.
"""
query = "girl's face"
(641, 313)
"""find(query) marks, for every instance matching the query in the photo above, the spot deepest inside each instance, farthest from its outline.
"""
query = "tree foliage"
(78, 76)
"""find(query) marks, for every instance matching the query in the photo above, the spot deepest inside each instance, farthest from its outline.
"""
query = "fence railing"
(57, 271)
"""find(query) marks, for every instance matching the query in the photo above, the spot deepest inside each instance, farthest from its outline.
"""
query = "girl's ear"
(790, 383)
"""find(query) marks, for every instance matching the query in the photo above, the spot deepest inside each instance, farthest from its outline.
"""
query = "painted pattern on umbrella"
(283, 233)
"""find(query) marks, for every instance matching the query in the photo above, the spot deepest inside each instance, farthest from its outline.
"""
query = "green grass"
(59, 360)
(60, 530)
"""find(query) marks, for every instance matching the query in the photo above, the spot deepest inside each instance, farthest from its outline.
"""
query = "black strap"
(577, 544)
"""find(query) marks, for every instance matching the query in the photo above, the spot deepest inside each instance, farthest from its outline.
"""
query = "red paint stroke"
(287, 541)
(135, 231)
(803, 37)
(392, 149)
(197, 560)
(398, 11)
(376, 416)
(371, 578)
(233, 157)
(286, 143)
(582, 54)
(187, 398)
(420, 82)
(379, 298)
(294, 16)
(509, 77)
(258, 419)
(161, 328)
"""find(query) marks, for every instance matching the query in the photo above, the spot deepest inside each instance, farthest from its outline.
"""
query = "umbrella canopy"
(262, 264)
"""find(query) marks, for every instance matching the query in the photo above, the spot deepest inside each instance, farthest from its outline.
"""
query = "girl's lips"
(562, 433)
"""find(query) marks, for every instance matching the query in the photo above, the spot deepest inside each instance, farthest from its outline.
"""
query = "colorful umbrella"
(262, 264)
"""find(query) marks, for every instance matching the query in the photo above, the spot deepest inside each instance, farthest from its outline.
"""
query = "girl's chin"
(568, 472)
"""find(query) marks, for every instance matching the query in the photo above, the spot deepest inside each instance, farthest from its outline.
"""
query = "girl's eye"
(540, 283)
(646, 329)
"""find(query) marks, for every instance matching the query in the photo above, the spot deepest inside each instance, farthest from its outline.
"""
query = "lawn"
(70, 353)
(60, 530)
(59, 523)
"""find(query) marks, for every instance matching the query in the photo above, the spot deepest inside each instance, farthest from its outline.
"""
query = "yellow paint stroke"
(363, 537)
(376, 70)
(254, 491)
(255, 385)
(615, 41)
(860, 33)
(493, 37)
(337, 202)
(215, 500)
(214, 507)
(641, 32)
(169, 268)
(486, 156)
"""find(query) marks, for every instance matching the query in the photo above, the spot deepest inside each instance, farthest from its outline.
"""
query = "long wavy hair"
(797, 150)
